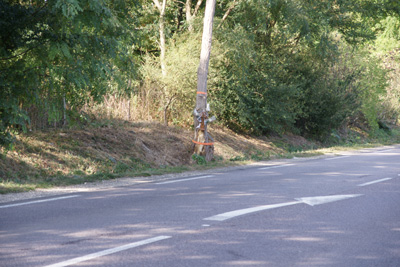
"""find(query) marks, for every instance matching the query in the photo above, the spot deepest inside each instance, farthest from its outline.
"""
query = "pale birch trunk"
(161, 9)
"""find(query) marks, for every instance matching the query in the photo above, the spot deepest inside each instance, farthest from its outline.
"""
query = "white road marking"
(274, 167)
(312, 201)
(235, 213)
(376, 181)
(37, 201)
(188, 179)
(108, 251)
(341, 157)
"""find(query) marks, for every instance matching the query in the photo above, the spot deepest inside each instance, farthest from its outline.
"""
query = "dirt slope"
(120, 147)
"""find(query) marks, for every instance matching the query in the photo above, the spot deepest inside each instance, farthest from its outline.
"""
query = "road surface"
(329, 211)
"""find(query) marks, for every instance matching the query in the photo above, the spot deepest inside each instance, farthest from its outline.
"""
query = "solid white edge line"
(108, 251)
(187, 179)
(37, 201)
(339, 157)
(274, 167)
(235, 213)
(376, 181)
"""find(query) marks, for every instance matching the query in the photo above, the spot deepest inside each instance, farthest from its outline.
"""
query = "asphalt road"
(335, 211)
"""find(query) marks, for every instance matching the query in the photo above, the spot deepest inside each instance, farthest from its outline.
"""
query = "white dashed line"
(375, 182)
(37, 201)
(108, 251)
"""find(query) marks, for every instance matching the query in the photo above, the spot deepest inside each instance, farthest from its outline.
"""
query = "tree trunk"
(189, 14)
(188, 9)
(161, 9)
(64, 112)
(202, 140)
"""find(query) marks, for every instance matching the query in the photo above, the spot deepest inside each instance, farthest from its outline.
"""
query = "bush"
(251, 89)
(171, 97)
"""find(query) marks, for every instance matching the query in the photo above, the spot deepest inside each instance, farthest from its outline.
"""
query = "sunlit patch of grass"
(13, 187)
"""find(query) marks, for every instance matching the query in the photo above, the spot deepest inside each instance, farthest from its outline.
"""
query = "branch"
(180, 2)
(164, 4)
(227, 13)
(158, 5)
(196, 9)
(188, 9)
(39, 9)
(23, 53)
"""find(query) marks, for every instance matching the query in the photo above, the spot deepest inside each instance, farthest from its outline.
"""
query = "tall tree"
(202, 140)
(161, 8)
(55, 50)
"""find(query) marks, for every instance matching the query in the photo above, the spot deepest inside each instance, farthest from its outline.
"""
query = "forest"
(308, 67)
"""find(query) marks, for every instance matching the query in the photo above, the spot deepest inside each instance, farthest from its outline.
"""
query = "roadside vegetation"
(93, 90)
(112, 149)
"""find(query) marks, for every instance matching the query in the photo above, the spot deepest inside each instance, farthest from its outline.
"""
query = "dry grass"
(114, 148)
(94, 149)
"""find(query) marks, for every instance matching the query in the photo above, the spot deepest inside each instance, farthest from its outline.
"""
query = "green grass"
(7, 187)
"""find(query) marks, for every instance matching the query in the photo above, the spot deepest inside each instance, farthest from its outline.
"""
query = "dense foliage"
(303, 66)
(59, 54)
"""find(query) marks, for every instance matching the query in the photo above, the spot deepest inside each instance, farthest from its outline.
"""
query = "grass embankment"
(113, 149)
